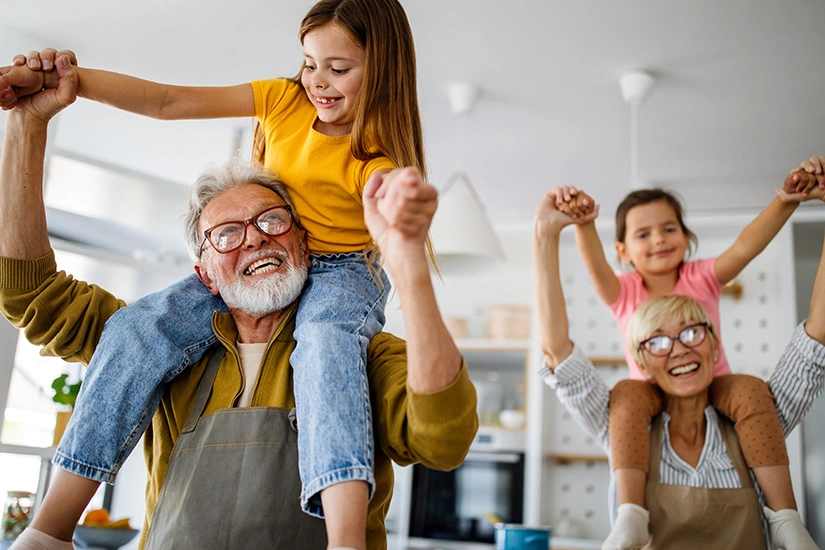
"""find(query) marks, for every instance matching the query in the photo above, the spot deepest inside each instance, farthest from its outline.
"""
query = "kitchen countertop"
(556, 543)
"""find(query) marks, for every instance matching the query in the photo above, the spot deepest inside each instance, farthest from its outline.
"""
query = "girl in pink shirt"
(651, 236)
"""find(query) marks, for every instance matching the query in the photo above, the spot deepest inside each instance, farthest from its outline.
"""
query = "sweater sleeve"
(435, 429)
(56, 311)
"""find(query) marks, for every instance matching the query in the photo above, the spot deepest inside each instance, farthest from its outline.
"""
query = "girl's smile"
(334, 65)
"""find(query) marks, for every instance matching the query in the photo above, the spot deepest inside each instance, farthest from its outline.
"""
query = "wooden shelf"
(570, 458)
(482, 344)
(607, 360)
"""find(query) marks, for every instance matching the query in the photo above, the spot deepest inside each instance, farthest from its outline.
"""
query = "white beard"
(265, 295)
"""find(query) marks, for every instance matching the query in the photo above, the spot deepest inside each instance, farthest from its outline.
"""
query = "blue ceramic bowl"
(99, 537)
(511, 536)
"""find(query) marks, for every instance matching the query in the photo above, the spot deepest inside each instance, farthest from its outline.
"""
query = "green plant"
(65, 393)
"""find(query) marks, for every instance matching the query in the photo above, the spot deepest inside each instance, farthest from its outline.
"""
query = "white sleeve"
(583, 393)
(798, 378)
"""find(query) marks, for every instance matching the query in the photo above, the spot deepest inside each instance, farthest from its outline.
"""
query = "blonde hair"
(654, 313)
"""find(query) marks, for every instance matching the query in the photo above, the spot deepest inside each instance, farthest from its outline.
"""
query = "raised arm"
(754, 238)
(22, 210)
(553, 325)
(143, 97)
(800, 375)
(398, 209)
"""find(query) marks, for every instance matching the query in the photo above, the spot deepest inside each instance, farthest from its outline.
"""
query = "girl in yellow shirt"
(350, 114)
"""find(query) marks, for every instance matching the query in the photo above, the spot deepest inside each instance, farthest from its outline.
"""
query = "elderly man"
(223, 475)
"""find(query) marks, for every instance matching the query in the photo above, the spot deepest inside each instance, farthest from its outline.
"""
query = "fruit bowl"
(101, 537)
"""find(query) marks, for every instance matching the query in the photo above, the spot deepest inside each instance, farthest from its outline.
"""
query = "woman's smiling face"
(688, 369)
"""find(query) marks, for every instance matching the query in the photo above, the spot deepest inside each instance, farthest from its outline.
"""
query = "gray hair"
(217, 179)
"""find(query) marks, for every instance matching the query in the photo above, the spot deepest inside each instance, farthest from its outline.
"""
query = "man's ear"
(203, 274)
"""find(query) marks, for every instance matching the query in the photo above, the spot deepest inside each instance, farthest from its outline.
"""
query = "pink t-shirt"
(697, 279)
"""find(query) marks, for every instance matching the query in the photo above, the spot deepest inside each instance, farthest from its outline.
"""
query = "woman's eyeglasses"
(662, 345)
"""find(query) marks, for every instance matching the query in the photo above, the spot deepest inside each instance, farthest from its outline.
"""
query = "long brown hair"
(386, 119)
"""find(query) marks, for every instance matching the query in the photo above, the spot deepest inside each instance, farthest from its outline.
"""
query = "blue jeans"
(147, 344)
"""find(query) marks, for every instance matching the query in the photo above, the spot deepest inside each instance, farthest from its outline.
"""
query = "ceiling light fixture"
(635, 85)
(463, 237)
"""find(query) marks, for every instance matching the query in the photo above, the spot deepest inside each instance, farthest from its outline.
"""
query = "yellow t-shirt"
(324, 180)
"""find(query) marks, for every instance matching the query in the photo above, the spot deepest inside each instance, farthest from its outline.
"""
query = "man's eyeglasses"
(227, 237)
(690, 337)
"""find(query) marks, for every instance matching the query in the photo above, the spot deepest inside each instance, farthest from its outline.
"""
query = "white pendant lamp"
(635, 85)
(462, 235)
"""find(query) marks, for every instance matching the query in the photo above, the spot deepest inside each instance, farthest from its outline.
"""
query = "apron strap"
(204, 388)
(655, 449)
(735, 451)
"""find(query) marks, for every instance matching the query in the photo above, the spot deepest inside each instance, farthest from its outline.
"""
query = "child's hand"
(575, 203)
(814, 166)
(29, 74)
(550, 217)
(17, 82)
(801, 185)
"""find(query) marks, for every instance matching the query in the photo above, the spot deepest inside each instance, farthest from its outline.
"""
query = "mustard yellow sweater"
(66, 317)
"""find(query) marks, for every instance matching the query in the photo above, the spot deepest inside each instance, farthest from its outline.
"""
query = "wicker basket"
(457, 327)
(508, 322)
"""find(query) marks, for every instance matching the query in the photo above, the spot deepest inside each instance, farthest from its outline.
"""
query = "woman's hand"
(552, 218)
(804, 183)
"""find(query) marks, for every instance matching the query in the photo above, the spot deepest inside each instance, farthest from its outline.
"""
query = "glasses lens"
(276, 221)
(692, 336)
(659, 345)
(227, 236)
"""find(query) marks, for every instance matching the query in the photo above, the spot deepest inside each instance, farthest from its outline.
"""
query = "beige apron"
(232, 482)
(687, 518)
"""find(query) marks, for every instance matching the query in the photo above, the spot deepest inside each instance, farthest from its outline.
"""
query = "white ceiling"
(739, 100)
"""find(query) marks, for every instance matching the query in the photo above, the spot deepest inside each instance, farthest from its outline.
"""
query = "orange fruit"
(100, 515)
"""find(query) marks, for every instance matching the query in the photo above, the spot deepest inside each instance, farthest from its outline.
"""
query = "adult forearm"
(433, 360)
(22, 212)
(815, 325)
(553, 325)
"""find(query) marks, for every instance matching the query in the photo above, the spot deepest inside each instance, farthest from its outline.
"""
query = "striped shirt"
(796, 382)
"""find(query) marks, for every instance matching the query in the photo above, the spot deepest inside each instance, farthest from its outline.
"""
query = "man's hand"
(43, 105)
(398, 209)
(29, 74)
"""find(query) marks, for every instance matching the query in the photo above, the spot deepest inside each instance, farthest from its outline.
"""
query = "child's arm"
(761, 231)
(152, 99)
(579, 205)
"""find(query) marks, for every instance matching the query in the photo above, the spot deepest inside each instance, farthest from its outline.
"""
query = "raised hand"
(29, 74)
(398, 208)
(47, 103)
(804, 183)
(551, 215)
(573, 202)
(815, 167)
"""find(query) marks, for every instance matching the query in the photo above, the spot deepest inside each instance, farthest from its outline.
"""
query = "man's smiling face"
(264, 268)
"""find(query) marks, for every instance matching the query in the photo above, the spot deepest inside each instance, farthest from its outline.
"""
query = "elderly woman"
(699, 491)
